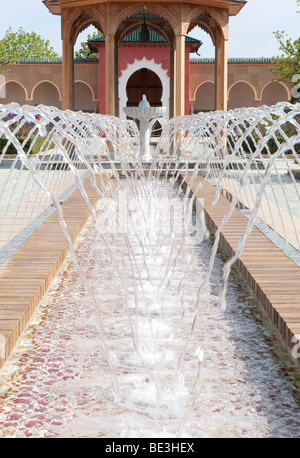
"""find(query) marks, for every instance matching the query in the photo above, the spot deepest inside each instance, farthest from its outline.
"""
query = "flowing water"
(130, 340)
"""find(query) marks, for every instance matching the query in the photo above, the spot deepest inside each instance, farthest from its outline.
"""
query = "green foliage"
(84, 51)
(287, 64)
(250, 144)
(10, 148)
(36, 145)
(40, 145)
(23, 45)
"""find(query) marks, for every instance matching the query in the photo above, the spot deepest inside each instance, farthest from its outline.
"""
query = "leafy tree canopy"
(84, 51)
(287, 64)
(23, 45)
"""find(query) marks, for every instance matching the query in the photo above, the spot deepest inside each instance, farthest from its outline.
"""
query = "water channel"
(141, 347)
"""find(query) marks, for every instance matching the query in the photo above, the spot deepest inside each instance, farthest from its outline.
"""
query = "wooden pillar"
(192, 105)
(221, 73)
(180, 75)
(172, 82)
(110, 74)
(68, 75)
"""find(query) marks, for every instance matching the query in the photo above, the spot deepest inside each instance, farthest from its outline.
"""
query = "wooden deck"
(27, 274)
(271, 275)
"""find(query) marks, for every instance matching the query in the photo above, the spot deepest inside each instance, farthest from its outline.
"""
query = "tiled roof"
(49, 60)
(135, 37)
(58, 60)
(235, 60)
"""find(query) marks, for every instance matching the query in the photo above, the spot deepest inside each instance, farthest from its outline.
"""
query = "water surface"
(234, 378)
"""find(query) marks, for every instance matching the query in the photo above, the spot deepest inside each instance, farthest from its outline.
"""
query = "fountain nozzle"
(144, 113)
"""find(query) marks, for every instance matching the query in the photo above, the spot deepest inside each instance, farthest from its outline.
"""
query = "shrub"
(36, 147)
(11, 149)
(249, 145)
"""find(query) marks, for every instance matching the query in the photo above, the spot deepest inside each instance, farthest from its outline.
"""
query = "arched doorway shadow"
(142, 71)
(84, 99)
(144, 82)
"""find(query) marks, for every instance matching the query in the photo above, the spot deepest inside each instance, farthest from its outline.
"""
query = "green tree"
(21, 45)
(287, 64)
(84, 51)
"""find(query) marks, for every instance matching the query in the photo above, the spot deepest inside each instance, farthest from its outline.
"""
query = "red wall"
(128, 54)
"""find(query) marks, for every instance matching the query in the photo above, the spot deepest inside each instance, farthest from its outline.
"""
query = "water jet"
(184, 350)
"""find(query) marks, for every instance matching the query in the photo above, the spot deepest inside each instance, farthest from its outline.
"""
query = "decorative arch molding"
(69, 16)
(120, 14)
(156, 68)
(90, 88)
(137, 25)
(288, 92)
(201, 84)
(49, 82)
(205, 28)
(245, 82)
(18, 83)
(220, 18)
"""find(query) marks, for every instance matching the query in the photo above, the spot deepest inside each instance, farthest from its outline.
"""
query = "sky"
(250, 32)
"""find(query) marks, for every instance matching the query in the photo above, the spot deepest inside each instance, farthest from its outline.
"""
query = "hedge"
(249, 145)
(11, 149)
(36, 147)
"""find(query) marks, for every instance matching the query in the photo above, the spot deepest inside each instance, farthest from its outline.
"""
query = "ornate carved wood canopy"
(171, 18)
(234, 6)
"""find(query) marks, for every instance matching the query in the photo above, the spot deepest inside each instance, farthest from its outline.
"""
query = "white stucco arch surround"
(156, 68)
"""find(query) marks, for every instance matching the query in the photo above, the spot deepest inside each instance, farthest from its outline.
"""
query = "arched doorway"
(241, 94)
(83, 97)
(205, 97)
(274, 92)
(46, 93)
(144, 82)
(154, 74)
(14, 92)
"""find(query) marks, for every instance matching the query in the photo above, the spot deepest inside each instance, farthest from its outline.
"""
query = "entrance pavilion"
(171, 20)
(143, 69)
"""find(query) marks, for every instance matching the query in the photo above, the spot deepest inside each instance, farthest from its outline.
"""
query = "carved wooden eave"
(233, 6)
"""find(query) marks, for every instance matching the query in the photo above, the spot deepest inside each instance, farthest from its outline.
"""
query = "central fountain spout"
(144, 113)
